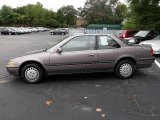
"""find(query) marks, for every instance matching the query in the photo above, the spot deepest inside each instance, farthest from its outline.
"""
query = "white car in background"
(154, 43)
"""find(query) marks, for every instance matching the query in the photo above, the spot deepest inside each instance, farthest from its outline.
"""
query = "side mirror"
(59, 50)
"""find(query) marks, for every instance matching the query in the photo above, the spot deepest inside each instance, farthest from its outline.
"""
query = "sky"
(49, 4)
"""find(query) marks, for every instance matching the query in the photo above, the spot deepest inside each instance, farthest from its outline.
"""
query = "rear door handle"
(91, 54)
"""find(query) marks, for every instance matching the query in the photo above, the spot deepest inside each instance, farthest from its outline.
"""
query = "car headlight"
(132, 41)
(11, 63)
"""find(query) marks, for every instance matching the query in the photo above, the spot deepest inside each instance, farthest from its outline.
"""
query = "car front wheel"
(32, 73)
(125, 69)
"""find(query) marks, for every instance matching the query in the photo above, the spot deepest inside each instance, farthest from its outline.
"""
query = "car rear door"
(108, 51)
(78, 55)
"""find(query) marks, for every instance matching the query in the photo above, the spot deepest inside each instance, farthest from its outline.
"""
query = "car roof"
(92, 35)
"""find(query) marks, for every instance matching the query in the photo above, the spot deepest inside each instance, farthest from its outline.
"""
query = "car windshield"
(56, 44)
(142, 33)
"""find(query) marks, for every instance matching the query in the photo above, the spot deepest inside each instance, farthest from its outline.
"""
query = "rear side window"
(106, 42)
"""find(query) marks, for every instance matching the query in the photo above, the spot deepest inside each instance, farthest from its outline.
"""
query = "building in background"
(81, 22)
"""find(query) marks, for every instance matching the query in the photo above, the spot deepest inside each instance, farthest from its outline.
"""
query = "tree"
(144, 14)
(36, 15)
(121, 10)
(67, 15)
(6, 12)
(103, 11)
(50, 19)
(1, 19)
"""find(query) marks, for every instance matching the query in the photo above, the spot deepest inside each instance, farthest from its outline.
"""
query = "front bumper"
(13, 71)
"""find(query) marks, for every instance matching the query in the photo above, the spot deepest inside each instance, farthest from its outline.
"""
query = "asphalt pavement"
(98, 96)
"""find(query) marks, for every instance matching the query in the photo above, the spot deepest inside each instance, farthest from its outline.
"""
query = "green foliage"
(103, 11)
(36, 15)
(6, 14)
(121, 10)
(67, 15)
(144, 14)
(94, 11)
(130, 25)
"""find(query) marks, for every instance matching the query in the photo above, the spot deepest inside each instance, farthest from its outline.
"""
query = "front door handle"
(91, 54)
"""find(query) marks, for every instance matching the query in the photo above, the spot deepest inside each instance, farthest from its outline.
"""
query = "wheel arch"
(126, 58)
(32, 62)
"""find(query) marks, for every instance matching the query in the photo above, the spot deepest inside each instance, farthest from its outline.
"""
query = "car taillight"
(151, 52)
(124, 35)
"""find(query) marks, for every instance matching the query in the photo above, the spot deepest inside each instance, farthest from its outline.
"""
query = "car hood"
(34, 52)
(129, 38)
(152, 42)
(134, 37)
(39, 56)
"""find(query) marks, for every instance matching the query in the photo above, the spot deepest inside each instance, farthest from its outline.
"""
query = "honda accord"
(83, 54)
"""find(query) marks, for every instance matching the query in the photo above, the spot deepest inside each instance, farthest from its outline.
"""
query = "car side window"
(80, 43)
(106, 42)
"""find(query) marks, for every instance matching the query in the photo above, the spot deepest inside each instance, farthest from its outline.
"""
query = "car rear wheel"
(125, 69)
(32, 73)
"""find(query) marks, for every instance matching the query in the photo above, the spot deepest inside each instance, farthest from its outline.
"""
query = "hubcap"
(32, 74)
(126, 70)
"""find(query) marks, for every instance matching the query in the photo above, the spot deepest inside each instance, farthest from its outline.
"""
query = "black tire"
(125, 69)
(32, 73)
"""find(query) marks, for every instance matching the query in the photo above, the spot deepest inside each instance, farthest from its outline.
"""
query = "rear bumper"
(13, 71)
(145, 62)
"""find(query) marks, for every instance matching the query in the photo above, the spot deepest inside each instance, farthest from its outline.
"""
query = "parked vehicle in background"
(8, 31)
(143, 36)
(122, 34)
(21, 30)
(18, 30)
(59, 31)
(154, 43)
(82, 54)
(1, 29)
(42, 29)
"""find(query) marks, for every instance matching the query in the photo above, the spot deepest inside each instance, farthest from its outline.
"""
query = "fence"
(91, 31)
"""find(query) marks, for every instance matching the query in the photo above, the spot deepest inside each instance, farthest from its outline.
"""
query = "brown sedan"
(82, 54)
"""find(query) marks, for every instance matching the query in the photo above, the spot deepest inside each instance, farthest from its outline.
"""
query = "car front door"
(78, 55)
(108, 50)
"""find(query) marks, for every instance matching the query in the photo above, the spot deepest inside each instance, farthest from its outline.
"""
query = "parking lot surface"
(96, 96)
